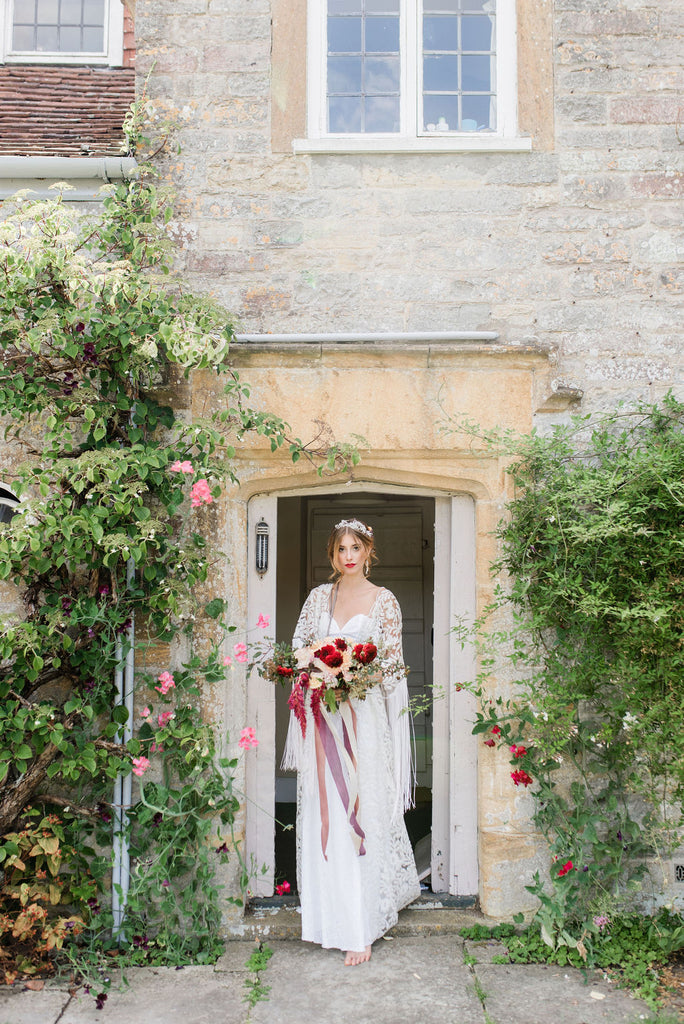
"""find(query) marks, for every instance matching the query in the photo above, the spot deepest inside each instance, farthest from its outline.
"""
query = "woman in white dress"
(355, 865)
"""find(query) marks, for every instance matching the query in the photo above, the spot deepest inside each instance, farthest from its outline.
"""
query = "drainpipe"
(124, 682)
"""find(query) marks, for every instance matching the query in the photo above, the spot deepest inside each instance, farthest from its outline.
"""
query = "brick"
(646, 110)
(582, 108)
(608, 23)
(668, 185)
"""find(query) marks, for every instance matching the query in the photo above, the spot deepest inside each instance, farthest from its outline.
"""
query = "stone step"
(270, 920)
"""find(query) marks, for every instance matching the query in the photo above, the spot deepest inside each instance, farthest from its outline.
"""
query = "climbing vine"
(115, 492)
(592, 555)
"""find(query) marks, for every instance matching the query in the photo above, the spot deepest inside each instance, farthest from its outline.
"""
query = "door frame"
(454, 771)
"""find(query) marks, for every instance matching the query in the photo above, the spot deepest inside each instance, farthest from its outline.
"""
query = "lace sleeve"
(307, 627)
(305, 633)
(397, 701)
(389, 619)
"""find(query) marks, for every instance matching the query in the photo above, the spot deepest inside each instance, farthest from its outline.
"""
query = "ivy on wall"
(592, 564)
(116, 492)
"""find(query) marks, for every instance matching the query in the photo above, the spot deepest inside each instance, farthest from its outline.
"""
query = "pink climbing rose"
(140, 765)
(283, 888)
(262, 622)
(248, 738)
(240, 652)
(181, 467)
(200, 494)
(164, 718)
(167, 682)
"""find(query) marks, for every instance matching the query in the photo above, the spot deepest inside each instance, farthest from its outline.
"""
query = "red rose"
(284, 670)
(365, 653)
(333, 660)
(521, 777)
(341, 645)
(324, 651)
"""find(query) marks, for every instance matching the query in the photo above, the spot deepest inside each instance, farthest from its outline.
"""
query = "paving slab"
(21, 1006)
(411, 980)
(484, 952)
(164, 995)
(540, 994)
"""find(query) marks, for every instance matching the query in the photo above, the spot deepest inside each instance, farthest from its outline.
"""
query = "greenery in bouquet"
(331, 671)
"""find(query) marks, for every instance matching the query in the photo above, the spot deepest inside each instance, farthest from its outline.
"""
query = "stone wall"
(576, 244)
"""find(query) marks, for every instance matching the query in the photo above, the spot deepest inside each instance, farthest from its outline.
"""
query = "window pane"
(22, 38)
(344, 35)
(344, 74)
(93, 12)
(440, 74)
(382, 6)
(344, 114)
(345, 6)
(71, 12)
(440, 33)
(440, 113)
(443, 7)
(382, 114)
(476, 33)
(382, 35)
(476, 74)
(70, 39)
(480, 110)
(93, 40)
(479, 5)
(47, 38)
(47, 12)
(382, 74)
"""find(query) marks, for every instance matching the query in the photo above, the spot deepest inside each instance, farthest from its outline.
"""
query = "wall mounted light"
(262, 547)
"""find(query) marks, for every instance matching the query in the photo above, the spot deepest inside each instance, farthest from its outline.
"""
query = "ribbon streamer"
(340, 752)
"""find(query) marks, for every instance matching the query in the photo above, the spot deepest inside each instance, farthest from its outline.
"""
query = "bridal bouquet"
(331, 670)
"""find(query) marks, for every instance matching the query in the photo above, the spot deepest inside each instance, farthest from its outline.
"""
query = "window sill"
(442, 144)
(63, 59)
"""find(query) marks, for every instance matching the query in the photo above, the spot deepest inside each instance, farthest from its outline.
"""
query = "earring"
(366, 567)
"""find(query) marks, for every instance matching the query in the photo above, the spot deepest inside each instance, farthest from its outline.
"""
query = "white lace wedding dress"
(348, 900)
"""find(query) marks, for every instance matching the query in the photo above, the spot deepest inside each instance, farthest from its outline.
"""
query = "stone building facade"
(388, 286)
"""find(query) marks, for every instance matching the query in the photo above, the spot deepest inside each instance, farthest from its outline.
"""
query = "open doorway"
(404, 529)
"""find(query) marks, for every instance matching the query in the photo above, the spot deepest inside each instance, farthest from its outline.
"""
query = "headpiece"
(355, 524)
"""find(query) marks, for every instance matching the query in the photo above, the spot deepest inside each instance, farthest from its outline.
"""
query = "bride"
(354, 872)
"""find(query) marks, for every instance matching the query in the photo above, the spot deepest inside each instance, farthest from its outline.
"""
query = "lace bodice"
(382, 625)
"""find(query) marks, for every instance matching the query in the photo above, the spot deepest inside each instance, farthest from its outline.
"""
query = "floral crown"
(357, 525)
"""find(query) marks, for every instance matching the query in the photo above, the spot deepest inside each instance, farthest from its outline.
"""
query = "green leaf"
(215, 608)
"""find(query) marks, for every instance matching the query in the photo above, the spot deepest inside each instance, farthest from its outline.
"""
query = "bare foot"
(353, 958)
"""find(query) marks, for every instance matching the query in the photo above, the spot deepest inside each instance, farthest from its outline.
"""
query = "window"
(399, 74)
(62, 31)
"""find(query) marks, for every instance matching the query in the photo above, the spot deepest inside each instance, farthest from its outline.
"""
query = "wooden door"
(404, 537)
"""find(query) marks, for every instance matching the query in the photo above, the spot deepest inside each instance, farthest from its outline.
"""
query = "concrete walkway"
(411, 979)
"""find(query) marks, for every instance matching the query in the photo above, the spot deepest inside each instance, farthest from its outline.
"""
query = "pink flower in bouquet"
(283, 888)
(200, 494)
(248, 738)
(240, 652)
(181, 467)
(262, 622)
(140, 765)
(167, 683)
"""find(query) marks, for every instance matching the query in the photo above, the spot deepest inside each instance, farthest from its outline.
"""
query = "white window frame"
(111, 55)
(505, 137)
